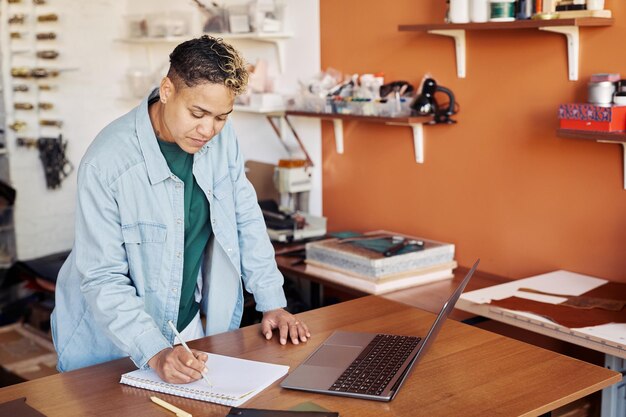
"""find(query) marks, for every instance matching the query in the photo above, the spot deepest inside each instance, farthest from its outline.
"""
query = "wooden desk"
(468, 372)
(429, 297)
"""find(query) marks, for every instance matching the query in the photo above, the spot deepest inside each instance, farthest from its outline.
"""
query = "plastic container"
(458, 11)
(136, 26)
(600, 92)
(162, 25)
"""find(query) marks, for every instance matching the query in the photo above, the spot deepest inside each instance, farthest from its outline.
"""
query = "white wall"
(95, 93)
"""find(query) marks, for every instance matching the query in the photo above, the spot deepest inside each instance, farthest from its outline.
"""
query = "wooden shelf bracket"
(459, 45)
(281, 131)
(418, 139)
(338, 127)
(573, 47)
(623, 159)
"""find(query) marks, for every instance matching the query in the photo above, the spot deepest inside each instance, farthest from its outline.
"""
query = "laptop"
(366, 365)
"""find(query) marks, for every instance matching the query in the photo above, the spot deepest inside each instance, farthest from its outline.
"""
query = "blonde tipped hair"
(208, 59)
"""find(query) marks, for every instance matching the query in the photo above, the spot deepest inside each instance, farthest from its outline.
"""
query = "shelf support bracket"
(279, 45)
(418, 139)
(459, 44)
(338, 126)
(573, 47)
(280, 130)
(624, 157)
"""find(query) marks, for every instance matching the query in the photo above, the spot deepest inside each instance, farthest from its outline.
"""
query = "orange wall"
(499, 184)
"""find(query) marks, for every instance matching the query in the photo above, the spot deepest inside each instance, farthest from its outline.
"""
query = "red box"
(584, 116)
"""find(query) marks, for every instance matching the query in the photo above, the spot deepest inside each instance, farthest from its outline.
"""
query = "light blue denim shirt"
(121, 283)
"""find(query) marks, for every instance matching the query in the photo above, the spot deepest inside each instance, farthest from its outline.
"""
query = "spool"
(502, 10)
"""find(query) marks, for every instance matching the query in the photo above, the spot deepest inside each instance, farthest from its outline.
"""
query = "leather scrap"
(563, 314)
(583, 301)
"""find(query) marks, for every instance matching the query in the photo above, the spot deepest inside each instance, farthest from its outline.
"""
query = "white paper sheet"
(557, 282)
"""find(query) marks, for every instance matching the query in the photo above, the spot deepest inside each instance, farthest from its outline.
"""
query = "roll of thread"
(502, 10)
(459, 11)
(479, 11)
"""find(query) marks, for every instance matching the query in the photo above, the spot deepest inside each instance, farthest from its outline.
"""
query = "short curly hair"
(208, 59)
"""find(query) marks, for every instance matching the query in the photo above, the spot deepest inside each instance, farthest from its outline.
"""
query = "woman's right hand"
(177, 366)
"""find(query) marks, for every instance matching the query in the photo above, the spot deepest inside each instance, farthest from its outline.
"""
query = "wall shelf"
(566, 27)
(256, 110)
(275, 38)
(601, 137)
(154, 40)
(415, 123)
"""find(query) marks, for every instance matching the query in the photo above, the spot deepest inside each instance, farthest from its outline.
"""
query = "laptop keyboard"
(379, 362)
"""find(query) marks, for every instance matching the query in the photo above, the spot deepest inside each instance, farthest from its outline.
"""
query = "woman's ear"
(166, 89)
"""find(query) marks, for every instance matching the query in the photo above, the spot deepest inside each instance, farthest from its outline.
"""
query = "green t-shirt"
(197, 228)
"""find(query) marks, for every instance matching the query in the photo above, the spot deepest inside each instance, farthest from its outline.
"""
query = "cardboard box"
(584, 116)
(26, 354)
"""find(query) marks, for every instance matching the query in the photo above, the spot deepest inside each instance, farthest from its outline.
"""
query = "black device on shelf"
(426, 103)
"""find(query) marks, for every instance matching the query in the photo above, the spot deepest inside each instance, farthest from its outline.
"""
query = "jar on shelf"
(458, 11)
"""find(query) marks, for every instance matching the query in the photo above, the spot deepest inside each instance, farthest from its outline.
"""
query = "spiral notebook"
(234, 380)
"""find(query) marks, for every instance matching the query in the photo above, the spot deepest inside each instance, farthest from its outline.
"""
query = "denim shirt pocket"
(223, 188)
(145, 243)
(225, 198)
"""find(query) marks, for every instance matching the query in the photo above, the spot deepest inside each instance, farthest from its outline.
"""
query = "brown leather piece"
(583, 301)
(563, 314)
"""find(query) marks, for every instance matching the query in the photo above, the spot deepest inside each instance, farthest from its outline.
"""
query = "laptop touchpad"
(334, 356)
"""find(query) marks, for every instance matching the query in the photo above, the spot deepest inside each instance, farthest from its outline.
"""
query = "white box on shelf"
(269, 101)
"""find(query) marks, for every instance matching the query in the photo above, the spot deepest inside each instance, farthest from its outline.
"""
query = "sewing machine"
(289, 219)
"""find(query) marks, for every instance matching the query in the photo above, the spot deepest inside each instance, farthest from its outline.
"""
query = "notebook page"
(234, 380)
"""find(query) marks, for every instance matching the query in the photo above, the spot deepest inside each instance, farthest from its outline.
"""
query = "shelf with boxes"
(568, 27)
(603, 118)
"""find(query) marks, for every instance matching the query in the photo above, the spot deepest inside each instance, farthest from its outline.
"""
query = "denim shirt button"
(178, 254)
(179, 221)
(174, 290)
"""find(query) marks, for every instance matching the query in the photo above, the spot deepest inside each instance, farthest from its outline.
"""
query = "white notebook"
(234, 380)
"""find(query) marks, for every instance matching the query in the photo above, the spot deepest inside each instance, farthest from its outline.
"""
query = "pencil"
(182, 342)
(172, 408)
